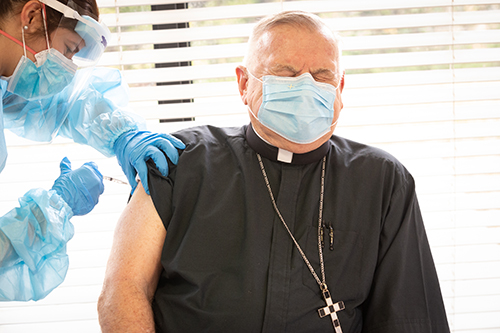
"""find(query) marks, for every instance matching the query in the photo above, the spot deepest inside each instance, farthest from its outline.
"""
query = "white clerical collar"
(284, 156)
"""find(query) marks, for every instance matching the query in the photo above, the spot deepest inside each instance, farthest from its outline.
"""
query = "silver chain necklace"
(331, 308)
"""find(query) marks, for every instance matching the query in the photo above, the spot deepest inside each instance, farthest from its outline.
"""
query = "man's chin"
(299, 148)
(278, 141)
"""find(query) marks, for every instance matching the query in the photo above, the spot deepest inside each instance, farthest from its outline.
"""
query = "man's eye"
(323, 79)
(333, 82)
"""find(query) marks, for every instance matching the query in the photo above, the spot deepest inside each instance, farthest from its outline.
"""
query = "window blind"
(422, 82)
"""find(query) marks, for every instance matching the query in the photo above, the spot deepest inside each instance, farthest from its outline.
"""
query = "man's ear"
(31, 16)
(242, 78)
(342, 81)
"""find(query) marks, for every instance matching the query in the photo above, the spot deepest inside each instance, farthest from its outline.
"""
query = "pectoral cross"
(331, 309)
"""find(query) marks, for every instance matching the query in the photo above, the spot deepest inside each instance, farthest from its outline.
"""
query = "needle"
(111, 179)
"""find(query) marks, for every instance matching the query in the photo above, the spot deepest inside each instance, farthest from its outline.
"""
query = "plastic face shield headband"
(95, 34)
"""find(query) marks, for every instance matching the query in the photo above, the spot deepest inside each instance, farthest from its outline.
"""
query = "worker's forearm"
(125, 308)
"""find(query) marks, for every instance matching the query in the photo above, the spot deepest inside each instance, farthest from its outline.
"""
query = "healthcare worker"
(42, 44)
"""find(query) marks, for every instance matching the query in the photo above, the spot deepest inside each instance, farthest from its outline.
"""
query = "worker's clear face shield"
(78, 37)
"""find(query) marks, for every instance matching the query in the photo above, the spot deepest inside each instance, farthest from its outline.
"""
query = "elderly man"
(278, 226)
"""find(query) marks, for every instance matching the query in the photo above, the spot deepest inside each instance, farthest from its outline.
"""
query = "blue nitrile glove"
(79, 188)
(134, 148)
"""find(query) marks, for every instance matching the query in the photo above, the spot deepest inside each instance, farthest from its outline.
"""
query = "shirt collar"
(280, 155)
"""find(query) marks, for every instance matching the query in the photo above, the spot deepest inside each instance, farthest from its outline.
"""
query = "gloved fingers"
(65, 166)
(158, 158)
(174, 141)
(129, 171)
(142, 170)
(167, 146)
(94, 167)
(131, 179)
(94, 178)
(161, 164)
(133, 184)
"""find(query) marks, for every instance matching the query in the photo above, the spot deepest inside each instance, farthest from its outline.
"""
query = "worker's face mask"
(297, 108)
(48, 75)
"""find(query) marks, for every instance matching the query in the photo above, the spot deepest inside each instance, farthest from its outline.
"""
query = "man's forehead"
(295, 57)
(289, 49)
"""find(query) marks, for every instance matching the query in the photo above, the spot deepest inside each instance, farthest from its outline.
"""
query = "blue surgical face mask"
(51, 73)
(297, 108)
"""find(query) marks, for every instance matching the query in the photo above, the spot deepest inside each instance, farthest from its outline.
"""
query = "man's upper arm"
(137, 245)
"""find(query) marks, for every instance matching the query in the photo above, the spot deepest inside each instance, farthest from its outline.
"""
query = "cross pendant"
(331, 309)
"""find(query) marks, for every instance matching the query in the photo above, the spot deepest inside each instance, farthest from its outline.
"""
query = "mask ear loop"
(250, 74)
(335, 123)
(24, 43)
(44, 13)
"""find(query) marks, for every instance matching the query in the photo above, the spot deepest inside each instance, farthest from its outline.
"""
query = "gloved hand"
(134, 148)
(79, 188)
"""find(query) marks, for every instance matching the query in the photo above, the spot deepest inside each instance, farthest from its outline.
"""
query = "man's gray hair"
(295, 18)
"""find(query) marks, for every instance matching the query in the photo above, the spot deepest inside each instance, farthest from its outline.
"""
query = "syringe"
(111, 179)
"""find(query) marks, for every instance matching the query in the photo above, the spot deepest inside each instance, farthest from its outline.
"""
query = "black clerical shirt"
(229, 264)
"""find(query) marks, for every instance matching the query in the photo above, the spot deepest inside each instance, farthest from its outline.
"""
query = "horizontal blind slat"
(184, 73)
(372, 61)
(179, 35)
(172, 55)
(420, 40)
(413, 20)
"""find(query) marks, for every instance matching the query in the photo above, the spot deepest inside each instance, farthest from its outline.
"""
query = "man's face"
(289, 51)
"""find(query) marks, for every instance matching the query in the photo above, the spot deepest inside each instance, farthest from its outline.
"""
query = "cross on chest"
(331, 309)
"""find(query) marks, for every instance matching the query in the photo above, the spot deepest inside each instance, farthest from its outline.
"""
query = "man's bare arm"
(133, 268)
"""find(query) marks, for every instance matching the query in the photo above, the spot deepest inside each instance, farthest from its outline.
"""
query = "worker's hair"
(295, 18)
(83, 7)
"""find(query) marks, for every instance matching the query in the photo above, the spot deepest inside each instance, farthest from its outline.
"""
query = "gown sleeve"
(33, 237)
(92, 110)
(405, 295)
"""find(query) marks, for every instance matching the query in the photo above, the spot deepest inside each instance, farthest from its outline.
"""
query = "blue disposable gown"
(33, 236)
